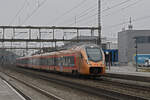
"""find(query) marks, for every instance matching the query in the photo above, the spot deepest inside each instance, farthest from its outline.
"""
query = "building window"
(143, 39)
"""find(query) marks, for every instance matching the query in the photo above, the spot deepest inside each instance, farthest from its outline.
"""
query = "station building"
(128, 40)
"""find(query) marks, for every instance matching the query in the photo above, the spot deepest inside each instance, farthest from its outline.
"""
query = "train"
(86, 59)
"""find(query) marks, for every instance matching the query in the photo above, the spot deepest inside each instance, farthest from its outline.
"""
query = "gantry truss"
(40, 32)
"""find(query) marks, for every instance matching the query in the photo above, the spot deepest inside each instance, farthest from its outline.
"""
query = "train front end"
(93, 61)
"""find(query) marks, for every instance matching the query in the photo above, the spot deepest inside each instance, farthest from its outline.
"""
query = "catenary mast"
(99, 22)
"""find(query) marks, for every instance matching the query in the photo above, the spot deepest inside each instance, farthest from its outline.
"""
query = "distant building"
(111, 45)
(7, 57)
(126, 44)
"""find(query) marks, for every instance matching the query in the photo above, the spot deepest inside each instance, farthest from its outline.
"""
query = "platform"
(8, 93)
(130, 70)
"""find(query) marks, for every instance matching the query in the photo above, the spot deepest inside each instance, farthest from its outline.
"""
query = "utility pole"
(136, 47)
(136, 52)
(99, 22)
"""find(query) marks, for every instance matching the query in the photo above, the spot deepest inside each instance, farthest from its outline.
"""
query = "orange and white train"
(82, 60)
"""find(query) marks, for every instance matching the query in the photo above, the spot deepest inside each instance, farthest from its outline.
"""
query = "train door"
(80, 61)
(54, 63)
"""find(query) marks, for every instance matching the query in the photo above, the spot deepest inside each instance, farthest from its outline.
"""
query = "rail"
(84, 88)
(44, 92)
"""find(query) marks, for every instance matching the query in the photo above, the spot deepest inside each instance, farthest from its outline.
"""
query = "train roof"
(73, 49)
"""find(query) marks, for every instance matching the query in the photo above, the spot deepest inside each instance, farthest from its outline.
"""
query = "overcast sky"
(65, 12)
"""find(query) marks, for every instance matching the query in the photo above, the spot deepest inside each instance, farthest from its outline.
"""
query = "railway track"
(38, 89)
(107, 93)
(20, 93)
(144, 86)
(128, 77)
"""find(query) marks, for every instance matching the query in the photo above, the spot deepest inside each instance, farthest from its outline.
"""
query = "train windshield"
(94, 54)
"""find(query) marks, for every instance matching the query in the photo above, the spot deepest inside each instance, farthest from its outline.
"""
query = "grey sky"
(50, 13)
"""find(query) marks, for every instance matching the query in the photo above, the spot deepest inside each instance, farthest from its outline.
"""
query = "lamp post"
(136, 47)
(108, 53)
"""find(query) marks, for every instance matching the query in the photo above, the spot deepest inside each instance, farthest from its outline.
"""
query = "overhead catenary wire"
(130, 5)
(83, 13)
(109, 8)
(122, 23)
(86, 11)
(81, 18)
(94, 20)
(96, 13)
(19, 11)
(67, 12)
(126, 22)
(116, 5)
(28, 17)
(34, 11)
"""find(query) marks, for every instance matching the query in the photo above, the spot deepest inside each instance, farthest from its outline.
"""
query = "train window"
(37, 61)
(22, 62)
(30, 61)
(56, 61)
(50, 61)
(65, 61)
(94, 54)
(25, 61)
(72, 63)
(59, 61)
(43, 61)
(34, 61)
(65, 64)
(18, 61)
(69, 61)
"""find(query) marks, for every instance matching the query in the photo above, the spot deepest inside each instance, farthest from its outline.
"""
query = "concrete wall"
(126, 45)
(122, 47)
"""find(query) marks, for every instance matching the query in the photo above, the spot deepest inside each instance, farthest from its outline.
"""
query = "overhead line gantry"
(29, 38)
